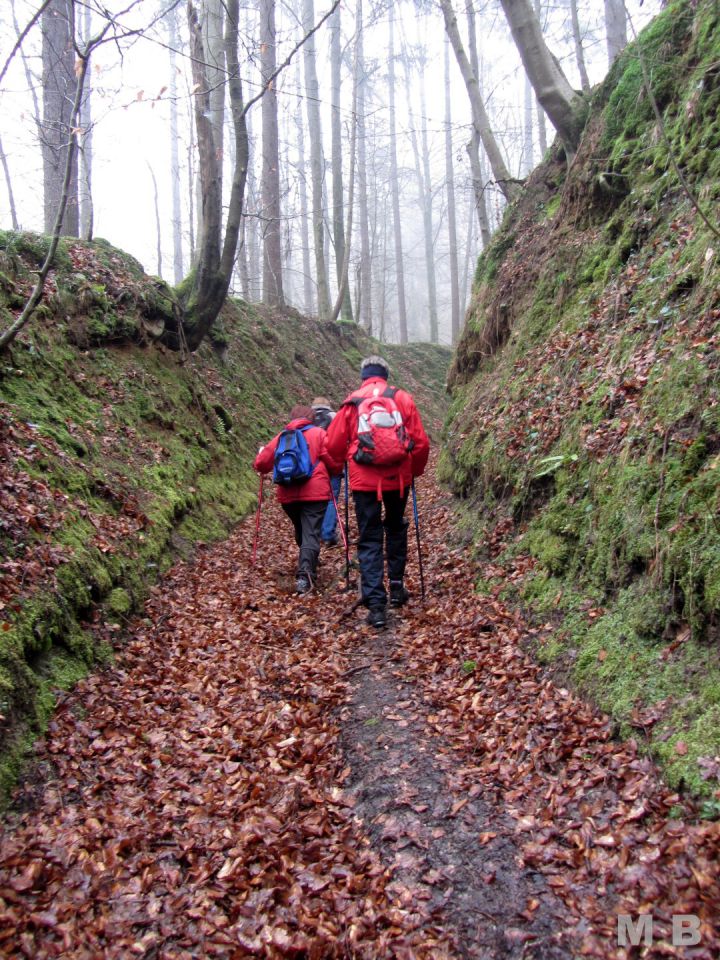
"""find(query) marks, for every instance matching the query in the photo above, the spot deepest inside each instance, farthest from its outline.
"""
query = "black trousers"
(376, 532)
(307, 517)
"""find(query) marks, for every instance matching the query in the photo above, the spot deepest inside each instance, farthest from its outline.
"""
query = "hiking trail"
(259, 774)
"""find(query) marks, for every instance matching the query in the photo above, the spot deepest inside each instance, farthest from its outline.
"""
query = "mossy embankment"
(584, 436)
(116, 454)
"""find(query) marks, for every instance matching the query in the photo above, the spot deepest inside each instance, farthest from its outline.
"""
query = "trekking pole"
(257, 519)
(337, 514)
(417, 537)
(347, 530)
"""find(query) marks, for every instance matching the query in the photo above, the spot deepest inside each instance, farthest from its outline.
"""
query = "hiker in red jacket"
(304, 502)
(379, 432)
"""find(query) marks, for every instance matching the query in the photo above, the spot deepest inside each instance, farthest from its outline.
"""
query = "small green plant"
(469, 666)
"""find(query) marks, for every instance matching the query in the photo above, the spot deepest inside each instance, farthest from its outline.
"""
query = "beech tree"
(481, 122)
(564, 106)
(615, 27)
(59, 84)
(270, 177)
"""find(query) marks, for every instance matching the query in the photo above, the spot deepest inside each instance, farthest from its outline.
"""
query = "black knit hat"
(374, 366)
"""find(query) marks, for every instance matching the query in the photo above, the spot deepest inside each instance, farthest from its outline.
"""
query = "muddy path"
(263, 775)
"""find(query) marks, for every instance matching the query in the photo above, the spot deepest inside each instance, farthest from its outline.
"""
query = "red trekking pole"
(257, 519)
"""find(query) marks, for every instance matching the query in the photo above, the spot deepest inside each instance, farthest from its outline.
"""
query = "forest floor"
(259, 774)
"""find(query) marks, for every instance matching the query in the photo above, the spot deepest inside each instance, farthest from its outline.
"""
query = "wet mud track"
(452, 861)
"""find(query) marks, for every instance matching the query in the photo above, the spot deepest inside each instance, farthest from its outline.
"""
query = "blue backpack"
(292, 463)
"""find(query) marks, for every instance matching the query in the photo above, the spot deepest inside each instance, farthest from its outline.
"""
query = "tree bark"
(87, 214)
(542, 124)
(615, 27)
(158, 226)
(450, 192)
(338, 217)
(270, 177)
(561, 103)
(421, 156)
(365, 267)
(343, 283)
(473, 147)
(8, 184)
(395, 192)
(481, 121)
(83, 60)
(316, 163)
(58, 59)
(173, 44)
(308, 300)
(579, 53)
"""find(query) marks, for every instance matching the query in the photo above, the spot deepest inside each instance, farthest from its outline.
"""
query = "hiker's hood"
(300, 422)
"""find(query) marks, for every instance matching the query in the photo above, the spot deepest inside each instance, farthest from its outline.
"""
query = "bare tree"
(452, 223)
(173, 46)
(80, 72)
(481, 121)
(542, 125)
(85, 145)
(8, 184)
(473, 147)
(365, 266)
(58, 59)
(270, 178)
(308, 302)
(338, 216)
(421, 155)
(615, 27)
(395, 192)
(158, 223)
(312, 94)
(577, 40)
(563, 105)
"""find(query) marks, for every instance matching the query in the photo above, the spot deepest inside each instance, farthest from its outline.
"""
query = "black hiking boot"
(377, 617)
(303, 584)
(398, 593)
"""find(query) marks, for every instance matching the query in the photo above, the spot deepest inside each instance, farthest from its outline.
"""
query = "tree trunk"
(481, 121)
(424, 187)
(450, 192)
(216, 258)
(528, 158)
(158, 227)
(365, 267)
(542, 125)
(80, 72)
(173, 44)
(316, 163)
(579, 53)
(395, 190)
(58, 59)
(8, 184)
(343, 283)
(308, 300)
(338, 217)
(615, 27)
(562, 104)
(270, 177)
(473, 147)
(85, 147)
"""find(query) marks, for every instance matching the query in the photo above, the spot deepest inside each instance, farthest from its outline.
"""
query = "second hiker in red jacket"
(386, 447)
(304, 502)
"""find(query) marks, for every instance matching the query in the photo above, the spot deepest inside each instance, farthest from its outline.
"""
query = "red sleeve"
(266, 456)
(339, 437)
(416, 430)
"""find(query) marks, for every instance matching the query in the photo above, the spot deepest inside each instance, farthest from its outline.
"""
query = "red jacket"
(342, 437)
(318, 486)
